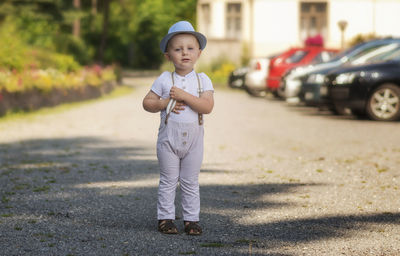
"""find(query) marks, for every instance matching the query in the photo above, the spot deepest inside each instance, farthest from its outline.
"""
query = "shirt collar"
(189, 75)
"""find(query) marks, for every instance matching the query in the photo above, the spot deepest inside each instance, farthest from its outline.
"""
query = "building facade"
(257, 28)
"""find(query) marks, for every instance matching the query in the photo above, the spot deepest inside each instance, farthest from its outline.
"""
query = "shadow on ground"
(83, 196)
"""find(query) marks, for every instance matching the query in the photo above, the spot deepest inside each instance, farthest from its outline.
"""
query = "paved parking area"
(276, 180)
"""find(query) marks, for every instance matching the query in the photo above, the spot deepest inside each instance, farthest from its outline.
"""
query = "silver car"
(255, 79)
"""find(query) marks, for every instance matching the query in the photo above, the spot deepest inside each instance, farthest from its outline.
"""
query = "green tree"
(106, 31)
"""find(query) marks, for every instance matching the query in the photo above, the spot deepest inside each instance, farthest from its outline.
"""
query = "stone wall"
(35, 99)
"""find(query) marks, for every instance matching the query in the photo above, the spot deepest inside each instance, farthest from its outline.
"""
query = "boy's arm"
(153, 103)
(203, 104)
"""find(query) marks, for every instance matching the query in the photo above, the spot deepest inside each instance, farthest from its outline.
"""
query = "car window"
(390, 55)
(318, 59)
(346, 52)
(322, 57)
(296, 57)
(378, 51)
(365, 51)
(396, 57)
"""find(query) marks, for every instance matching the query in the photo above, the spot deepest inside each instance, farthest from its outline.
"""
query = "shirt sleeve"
(157, 86)
(206, 82)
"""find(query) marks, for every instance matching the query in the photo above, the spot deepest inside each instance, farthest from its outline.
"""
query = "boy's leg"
(169, 174)
(189, 179)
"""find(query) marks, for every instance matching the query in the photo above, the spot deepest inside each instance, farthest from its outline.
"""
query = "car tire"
(256, 93)
(384, 103)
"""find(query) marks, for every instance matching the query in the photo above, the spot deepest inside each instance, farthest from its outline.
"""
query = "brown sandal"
(192, 228)
(167, 227)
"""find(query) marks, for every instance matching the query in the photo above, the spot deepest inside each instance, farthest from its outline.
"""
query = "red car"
(294, 57)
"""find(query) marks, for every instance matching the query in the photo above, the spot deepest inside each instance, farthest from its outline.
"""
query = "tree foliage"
(129, 35)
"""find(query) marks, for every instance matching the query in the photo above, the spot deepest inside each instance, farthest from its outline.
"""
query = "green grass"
(187, 253)
(41, 189)
(245, 241)
(214, 245)
(31, 115)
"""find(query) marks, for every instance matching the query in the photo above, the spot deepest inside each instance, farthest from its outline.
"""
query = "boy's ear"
(166, 55)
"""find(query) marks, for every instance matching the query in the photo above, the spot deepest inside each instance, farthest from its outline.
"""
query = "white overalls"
(180, 149)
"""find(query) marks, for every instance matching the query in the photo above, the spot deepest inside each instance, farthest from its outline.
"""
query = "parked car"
(236, 78)
(372, 89)
(291, 81)
(312, 91)
(292, 58)
(290, 86)
(255, 78)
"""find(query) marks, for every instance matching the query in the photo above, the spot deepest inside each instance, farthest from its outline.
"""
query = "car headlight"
(316, 79)
(345, 78)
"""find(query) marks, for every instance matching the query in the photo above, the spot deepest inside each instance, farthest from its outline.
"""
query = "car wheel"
(384, 103)
(256, 93)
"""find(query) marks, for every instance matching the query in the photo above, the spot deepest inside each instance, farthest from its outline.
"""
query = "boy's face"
(183, 50)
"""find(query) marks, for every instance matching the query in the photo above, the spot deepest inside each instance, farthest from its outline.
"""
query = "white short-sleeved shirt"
(162, 85)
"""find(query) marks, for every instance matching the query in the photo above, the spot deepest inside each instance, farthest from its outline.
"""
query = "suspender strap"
(171, 103)
(200, 91)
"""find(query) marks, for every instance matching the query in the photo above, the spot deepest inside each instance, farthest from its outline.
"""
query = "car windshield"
(346, 52)
(296, 57)
(375, 52)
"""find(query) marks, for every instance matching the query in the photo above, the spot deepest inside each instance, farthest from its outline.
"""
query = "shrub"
(44, 60)
(218, 70)
(47, 79)
(362, 38)
(16, 55)
(13, 52)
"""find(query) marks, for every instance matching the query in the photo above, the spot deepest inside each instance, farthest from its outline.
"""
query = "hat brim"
(200, 38)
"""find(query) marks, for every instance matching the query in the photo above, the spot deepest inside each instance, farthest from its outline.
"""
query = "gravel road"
(276, 180)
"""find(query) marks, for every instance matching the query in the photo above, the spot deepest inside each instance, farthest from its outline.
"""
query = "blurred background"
(64, 44)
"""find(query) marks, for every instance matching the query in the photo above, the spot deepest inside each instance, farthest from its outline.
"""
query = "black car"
(314, 93)
(236, 78)
(371, 89)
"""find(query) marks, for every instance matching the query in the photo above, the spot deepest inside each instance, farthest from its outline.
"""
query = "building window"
(313, 20)
(233, 20)
(206, 17)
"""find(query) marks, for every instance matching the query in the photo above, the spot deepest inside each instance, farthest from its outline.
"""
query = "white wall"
(357, 13)
(218, 19)
(276, 22)
(275, 26)
(387, 16)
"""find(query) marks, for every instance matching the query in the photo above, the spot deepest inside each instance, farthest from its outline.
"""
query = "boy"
(180, 136)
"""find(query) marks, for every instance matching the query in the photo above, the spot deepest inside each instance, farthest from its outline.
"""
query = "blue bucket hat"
(182, 27)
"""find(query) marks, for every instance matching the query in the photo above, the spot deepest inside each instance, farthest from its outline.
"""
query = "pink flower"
(314, 41)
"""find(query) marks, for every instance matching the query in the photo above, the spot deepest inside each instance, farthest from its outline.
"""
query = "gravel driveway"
(276, 180)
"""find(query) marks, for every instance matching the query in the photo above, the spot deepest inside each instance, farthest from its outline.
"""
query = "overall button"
(184, 134)
(184, 143)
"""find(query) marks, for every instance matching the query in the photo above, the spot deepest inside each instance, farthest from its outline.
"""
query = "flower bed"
(33, 89)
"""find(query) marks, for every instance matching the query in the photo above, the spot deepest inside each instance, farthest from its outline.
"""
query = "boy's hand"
(177, 94)
(180, 105)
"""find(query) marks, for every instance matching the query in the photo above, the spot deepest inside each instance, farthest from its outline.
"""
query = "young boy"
(180, 136)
